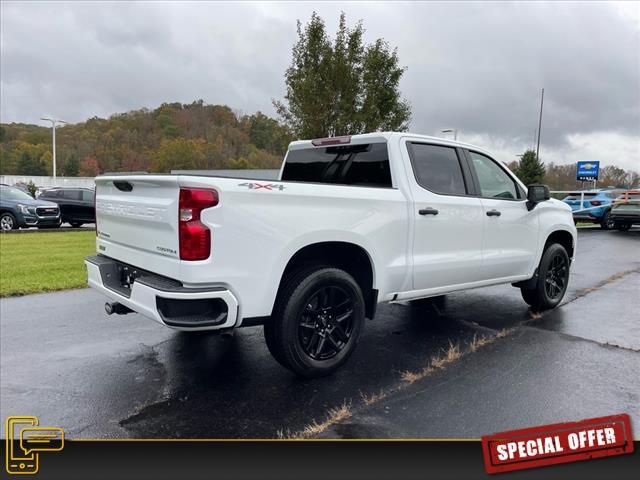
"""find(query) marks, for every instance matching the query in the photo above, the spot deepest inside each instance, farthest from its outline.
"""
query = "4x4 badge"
(266, 186)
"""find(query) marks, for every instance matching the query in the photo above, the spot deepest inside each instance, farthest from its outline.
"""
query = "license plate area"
(120, 277)
(127, 275)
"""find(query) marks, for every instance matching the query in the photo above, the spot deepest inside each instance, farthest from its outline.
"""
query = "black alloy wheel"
(555, 281)
(552, 281)
(316, 321)
(326, 323)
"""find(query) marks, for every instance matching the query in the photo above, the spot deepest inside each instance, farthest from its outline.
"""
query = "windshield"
(13, 193)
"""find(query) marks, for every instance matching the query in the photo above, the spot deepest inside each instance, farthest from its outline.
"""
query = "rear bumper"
(626, 211)
(626, 216)
(163, 300)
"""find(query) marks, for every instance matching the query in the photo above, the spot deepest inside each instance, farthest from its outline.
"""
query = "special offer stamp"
(558, 443)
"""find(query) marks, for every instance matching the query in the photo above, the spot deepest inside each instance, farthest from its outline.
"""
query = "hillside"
(173, 136)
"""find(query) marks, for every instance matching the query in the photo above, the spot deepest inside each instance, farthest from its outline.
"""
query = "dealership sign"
(587, 171)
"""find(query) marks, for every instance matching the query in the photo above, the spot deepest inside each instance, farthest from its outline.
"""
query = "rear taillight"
(195, 237)
(596, 203)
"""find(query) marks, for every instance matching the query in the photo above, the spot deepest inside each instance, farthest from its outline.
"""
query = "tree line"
(172, 136)
(531, 170)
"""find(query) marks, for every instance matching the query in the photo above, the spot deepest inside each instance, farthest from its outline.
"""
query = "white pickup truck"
(350, 223)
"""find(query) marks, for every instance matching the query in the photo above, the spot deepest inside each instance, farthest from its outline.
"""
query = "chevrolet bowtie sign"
(587, 171)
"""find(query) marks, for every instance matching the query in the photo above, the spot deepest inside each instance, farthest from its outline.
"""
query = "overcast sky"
(474, 66)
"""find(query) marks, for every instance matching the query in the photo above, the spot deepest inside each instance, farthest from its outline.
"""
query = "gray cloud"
(477, 67)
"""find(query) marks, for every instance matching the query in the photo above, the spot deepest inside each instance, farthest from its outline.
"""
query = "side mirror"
(537, 194)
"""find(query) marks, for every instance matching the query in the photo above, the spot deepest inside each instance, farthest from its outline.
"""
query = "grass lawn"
(44, 261)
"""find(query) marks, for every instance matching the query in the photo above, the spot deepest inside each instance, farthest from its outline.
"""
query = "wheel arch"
(347, 256)
(562, 237)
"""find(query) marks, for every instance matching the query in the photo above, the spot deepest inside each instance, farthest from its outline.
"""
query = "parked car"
(626, 210)
(19, 209)
(350, 223)
(592, 198)
(76, 204)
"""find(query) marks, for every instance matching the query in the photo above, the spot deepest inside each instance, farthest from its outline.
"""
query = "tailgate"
(138, 213)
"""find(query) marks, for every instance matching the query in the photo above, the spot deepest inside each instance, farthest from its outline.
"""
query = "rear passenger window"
(50, 194)
(72, 194)
(437, 168)
(87, 196)
(361, 165)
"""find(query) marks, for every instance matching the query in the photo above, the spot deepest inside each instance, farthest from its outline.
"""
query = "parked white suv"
(351, 222)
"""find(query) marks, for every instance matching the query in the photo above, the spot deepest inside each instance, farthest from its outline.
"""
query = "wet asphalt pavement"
(66, 361)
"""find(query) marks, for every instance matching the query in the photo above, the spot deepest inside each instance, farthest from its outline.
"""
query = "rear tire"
(316, 322)
(623, 227)
(75, 224)
(553, 279)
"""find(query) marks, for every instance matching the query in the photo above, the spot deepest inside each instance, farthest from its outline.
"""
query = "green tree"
(341, 87)
(530, 169)
(178, 154)
(71, 166)
(32, 188)
(30, 165)
(267, 134)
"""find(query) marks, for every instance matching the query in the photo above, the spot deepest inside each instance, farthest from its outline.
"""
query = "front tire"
(8, 222)
(606, 223)
(75, 224)
(317, 321)
(553, 279)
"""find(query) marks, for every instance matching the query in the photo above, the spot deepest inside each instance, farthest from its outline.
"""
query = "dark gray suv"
(18, 209)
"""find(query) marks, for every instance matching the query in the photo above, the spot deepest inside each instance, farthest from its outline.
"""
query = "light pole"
(539, 126)
(452, 130)
(53, 128)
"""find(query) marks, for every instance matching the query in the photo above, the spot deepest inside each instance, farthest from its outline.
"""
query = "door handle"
(428, 211)
(493, 213)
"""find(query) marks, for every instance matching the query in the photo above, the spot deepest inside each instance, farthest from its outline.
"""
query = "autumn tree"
(342, 86)
(612, 176)
(178, 154)
(530, 169)
(134, 162)
(89, 167)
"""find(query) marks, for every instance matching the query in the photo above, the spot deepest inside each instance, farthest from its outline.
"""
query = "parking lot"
(478, 363)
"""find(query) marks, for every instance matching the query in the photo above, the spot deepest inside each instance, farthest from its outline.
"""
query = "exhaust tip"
(117, 308)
